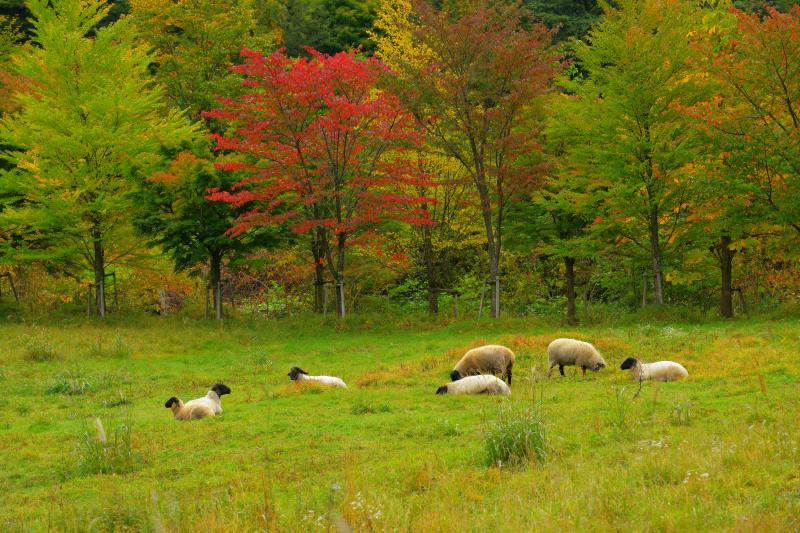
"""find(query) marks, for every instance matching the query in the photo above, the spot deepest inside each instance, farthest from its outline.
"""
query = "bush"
(516, 437)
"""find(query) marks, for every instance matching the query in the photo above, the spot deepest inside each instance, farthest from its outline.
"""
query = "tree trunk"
(430, 270)
(339, 274)
(99, 272)
(492, 244)
(215, 279)
(655, 254)
(725, 255)
(319, 275)
(569, 288)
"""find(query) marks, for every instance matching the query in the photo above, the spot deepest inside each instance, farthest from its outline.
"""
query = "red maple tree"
(323, 150)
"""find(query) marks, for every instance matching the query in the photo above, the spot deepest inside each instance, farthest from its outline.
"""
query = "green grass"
(720, 451)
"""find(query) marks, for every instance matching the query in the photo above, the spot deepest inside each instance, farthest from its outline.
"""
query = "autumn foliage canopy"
(320, 146)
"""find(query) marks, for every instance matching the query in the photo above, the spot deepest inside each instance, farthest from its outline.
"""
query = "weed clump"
(516, 437)
(117, 349)
(41, 351)
(361, 407)
(72, 384)
(101, 452)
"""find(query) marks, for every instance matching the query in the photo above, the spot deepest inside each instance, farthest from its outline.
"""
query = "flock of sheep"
(475, 373)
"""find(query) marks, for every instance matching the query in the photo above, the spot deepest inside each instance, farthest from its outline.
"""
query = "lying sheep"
(481, 384)
(208, 405)
(571, 352)
(181, 412)
(489, 359)
(658, 371)
(298, 374)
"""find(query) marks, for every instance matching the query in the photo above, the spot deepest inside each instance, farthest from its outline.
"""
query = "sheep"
(658, 371)
(181, 412)
(480, 384)
(492, 359)
(298, 374)
(208, 405)
(571, 352)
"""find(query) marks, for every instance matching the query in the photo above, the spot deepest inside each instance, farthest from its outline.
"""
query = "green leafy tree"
(196, 42)
(91, 123)
(623, 126)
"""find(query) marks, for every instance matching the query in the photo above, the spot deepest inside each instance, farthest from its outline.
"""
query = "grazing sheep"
(298, 374)
(208, 405)
(481, 384)
(182, 412)
(489, 359)
(658, 371)
(571, 352)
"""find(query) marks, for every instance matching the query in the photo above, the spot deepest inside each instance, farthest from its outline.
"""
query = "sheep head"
(295, 372)
(221, 388)
(442, 390)
(172, 401)
(455, 375)
(630, 362)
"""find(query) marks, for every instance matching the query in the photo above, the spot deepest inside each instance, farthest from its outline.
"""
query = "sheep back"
(665, 371)
(572, 352)
(489, 359)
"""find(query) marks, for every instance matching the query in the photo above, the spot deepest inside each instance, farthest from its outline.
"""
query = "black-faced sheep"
(208, 405)
(658, 371)
(181, 412)
(476, 385)
(571, 352)
(489, 359)
(298, 374)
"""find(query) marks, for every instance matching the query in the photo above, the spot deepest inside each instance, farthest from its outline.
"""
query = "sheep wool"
(489, 359)
(572, 352)
(481, 384)
(658, 371)
(298, 374)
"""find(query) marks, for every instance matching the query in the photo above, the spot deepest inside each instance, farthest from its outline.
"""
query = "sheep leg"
(584, 370)
(561, 369)
(638, 390)
(508, 375)
(550, 370)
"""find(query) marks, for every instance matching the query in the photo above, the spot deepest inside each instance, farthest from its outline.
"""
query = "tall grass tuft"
(516, 437)
(619, 408)
(72, 383)
(41, 351)
(117, 349)
(107, 452)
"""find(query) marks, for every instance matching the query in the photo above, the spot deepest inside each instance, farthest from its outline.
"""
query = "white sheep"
(571, 352)
(481, 384)
(208, 405)
(181, 412)
(658, 371)
(298, 374)
(489, 359)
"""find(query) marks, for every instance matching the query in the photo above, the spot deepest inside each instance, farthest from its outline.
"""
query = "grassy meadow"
(720, 451)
